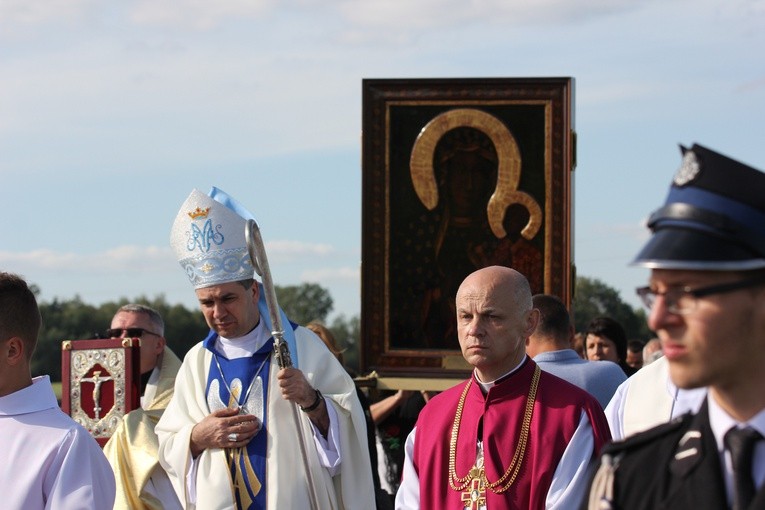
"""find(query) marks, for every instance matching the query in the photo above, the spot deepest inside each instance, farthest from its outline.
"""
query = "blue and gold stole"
(247, 464)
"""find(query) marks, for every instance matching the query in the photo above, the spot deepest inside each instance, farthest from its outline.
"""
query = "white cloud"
(35, 12)
(122, 258)
(196, 14)
(399, 15)
(193, 15)
(298, 249)
(146, 258)
(332, 274)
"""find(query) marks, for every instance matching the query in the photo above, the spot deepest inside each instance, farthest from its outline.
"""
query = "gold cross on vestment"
(475, 496)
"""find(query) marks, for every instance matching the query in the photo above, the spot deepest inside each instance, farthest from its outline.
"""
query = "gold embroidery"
(238, 456)
(239, 482)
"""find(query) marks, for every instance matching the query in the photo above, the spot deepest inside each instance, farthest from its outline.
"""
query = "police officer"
(706, 297)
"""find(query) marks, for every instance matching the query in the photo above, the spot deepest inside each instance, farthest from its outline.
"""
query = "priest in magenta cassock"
(511, 436)
(229, 437)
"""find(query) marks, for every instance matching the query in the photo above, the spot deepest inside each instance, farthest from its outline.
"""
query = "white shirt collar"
(243, 346)
(486, 386)
(721, 422)
(38, 396)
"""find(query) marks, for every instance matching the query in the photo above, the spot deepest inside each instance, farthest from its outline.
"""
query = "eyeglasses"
(683, 300)
(129, 332)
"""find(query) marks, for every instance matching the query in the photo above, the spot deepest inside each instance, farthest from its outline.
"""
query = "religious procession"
(382, 255)
(262, 414)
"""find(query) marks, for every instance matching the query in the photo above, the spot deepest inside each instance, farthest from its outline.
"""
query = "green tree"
(75, 320)
(347, 332)
(593, 298)
(65, 320)
(183, 327)
(305, 303)
(310, 302)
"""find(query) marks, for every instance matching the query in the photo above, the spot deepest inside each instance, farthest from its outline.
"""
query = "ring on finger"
(233, 437)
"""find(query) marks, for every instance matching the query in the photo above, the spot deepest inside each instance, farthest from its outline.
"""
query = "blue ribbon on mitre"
(227, 200)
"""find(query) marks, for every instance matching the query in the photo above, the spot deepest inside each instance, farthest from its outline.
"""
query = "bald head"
(500, 280)
(494, 318)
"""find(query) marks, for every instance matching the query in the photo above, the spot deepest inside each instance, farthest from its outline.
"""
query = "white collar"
(486, 386)
(38, 396)
(721, 422)
(243, 346)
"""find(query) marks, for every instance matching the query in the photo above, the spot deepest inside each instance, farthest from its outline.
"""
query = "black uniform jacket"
(672, 466)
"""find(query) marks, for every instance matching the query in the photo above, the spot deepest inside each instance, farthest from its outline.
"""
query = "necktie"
(740, 443)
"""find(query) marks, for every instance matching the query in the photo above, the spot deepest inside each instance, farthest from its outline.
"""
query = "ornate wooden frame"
(100, 382)
(514, 135)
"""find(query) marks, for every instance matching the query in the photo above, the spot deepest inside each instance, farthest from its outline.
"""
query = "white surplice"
(49, 461)
(286, 485)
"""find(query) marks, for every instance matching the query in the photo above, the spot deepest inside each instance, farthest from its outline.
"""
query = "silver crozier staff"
(257, 251)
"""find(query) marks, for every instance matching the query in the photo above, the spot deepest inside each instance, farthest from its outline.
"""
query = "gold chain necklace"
(478, 472)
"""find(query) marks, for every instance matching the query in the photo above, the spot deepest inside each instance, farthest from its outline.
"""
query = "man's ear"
(161, 342)
(15, 350)
(532, 321)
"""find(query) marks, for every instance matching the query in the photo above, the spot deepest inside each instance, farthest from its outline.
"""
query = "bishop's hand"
(225, 428)
(296, 388)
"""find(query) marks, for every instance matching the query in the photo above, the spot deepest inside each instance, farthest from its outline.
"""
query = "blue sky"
(111, 112)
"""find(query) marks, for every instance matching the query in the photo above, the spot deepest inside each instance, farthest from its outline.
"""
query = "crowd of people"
(549, 418)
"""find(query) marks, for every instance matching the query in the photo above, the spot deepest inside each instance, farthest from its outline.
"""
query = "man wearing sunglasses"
(706, 296)
(133, 449)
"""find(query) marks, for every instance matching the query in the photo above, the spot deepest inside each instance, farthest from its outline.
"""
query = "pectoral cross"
(475, 495)
(97, 381)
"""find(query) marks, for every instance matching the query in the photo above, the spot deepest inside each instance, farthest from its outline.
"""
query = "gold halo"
(508, 171)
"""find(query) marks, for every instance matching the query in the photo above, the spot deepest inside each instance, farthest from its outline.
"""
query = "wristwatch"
(319, 398)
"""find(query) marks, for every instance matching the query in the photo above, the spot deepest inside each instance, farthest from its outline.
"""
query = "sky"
(112, 112)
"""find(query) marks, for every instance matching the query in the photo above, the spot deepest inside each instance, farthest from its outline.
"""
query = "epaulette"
(640, 438)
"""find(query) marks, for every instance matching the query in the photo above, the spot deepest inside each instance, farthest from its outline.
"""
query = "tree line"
(75, 320)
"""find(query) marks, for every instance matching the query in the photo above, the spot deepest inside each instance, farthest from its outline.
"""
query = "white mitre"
(208, 240)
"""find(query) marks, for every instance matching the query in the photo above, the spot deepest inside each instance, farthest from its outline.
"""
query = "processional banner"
(458, 174)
